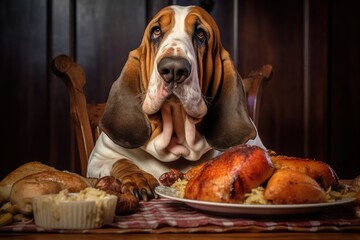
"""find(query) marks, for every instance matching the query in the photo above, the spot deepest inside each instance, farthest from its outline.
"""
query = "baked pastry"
(126, 201)
(20, 172)
(45, 182)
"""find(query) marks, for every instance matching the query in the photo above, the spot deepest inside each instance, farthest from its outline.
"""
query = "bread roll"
(41, 183)
(20, 172)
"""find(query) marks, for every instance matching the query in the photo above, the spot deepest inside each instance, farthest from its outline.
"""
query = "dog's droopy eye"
(155, 33)
(201, 35)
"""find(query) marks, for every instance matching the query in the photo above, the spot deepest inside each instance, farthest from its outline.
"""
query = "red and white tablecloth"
(165, 216)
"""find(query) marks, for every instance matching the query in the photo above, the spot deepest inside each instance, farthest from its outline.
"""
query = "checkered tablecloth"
(165, 216)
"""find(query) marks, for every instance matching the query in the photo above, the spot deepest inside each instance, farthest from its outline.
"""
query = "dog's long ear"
(123, 120)
(227, 122)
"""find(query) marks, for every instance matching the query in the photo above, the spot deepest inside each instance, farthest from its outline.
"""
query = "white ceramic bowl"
(73, 212)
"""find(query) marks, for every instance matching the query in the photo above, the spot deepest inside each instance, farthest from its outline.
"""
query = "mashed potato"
(90, 208)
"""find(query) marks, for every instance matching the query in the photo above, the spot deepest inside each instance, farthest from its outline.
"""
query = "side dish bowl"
(90, 208)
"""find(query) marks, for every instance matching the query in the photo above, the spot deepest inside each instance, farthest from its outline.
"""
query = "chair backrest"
(86, 116)
(254, 83)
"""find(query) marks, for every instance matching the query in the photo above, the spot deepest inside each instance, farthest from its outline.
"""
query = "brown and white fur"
(179, 100)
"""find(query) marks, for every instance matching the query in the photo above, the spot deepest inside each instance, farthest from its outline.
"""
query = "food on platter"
(288, 186)
(168, 178)
(318, 170)
(291, 180)
(90, 208)
(230, 176)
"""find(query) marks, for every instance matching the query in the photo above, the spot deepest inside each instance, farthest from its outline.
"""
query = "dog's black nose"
(174, 69)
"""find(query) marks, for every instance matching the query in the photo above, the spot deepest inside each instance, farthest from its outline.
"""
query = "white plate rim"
(248, 209)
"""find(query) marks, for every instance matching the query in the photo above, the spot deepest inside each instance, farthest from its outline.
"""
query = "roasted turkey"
(318, 170)
(287, 186)
(228, 177)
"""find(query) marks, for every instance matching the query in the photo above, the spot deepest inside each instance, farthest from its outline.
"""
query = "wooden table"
(335, 223)
(194, 236)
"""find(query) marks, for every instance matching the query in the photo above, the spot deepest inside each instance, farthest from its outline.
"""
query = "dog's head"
(179, 82)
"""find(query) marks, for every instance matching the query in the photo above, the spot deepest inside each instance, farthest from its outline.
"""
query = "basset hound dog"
(178, 101)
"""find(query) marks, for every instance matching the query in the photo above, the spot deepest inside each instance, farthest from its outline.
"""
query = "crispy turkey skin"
(228, 177)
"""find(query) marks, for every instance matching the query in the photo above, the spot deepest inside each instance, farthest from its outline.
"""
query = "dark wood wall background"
(310, 108)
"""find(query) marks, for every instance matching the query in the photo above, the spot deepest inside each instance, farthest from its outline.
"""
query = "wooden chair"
(86, 116)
